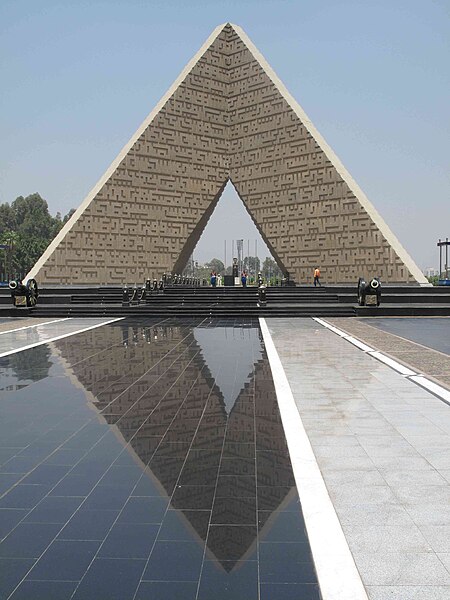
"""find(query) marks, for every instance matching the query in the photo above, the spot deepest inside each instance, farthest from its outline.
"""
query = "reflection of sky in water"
(229, 353)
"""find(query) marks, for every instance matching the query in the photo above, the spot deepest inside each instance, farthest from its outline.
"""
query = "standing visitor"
(213, 279)
(244, 279)
(317, 277)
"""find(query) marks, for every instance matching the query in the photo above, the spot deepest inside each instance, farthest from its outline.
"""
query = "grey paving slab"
(438, 536)
(382, 444)
(402, 568)
(408, 592)
(373, 539)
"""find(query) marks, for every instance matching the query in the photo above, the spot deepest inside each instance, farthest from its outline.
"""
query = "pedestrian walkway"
(382, 444)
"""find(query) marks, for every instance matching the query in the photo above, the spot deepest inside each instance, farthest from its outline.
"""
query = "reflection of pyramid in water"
(157, 441)
(214, 344)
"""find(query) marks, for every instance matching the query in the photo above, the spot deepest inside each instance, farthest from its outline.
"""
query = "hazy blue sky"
(78, 77)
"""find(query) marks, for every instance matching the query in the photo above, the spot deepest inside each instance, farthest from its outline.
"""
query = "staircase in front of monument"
(180, 301)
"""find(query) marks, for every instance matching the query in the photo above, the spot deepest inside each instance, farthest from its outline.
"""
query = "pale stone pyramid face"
(226, 117)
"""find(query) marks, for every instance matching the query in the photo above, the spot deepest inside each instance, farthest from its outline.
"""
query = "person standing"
(244, 279)
(317, 277)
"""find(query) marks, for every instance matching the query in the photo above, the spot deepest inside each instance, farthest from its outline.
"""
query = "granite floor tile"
(444, 557)
(349, 494)
(20, 464)
(429, 513)
(28, 540)
(194, 497)
(44, 590)
(9, 518)
(167, 590)
(64, 561)
(146, 487)
(234, 511)
(402, 569)
(129, 540)
(289, 591)
(230, 542)
(174, 561)
(144, 510)
(233, 581)
(384, 539)
(285, 526)
(438, 536)
(408, 592)
(24, 496)
(184, 525)
(12, 571)
(88, 524)
(107, 497)
(75, 485)
(110, 579)
(401, 478)
(54, 509)
(46, 474)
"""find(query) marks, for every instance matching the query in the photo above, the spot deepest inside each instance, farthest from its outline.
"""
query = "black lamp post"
(441, 245)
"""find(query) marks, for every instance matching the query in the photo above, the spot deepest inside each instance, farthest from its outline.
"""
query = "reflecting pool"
(147, 459)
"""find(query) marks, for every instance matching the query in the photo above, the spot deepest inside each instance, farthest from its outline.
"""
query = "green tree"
(32, 217)
(68, 216)
(28, 228)
(216, 265)
(251, 264)
(270, 269)
(7, 222)
(9, 238)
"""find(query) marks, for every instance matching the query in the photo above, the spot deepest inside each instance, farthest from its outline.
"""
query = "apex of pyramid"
(228, 27)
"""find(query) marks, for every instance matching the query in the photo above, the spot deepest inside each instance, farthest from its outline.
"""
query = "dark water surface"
(146, 460)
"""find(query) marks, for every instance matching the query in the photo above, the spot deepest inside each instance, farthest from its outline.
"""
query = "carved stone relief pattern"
(227, 119)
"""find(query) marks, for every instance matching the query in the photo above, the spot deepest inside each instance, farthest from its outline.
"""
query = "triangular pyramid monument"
(227, 116)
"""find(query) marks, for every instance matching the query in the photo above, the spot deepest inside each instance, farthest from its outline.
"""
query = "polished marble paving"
(382, 444)
(147, 459)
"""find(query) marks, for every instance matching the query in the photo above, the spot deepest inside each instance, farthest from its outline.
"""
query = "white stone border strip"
(58, 337)
(35, 325)
(390, 362)
(432, 387)
(419, 379)
(338, 576)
